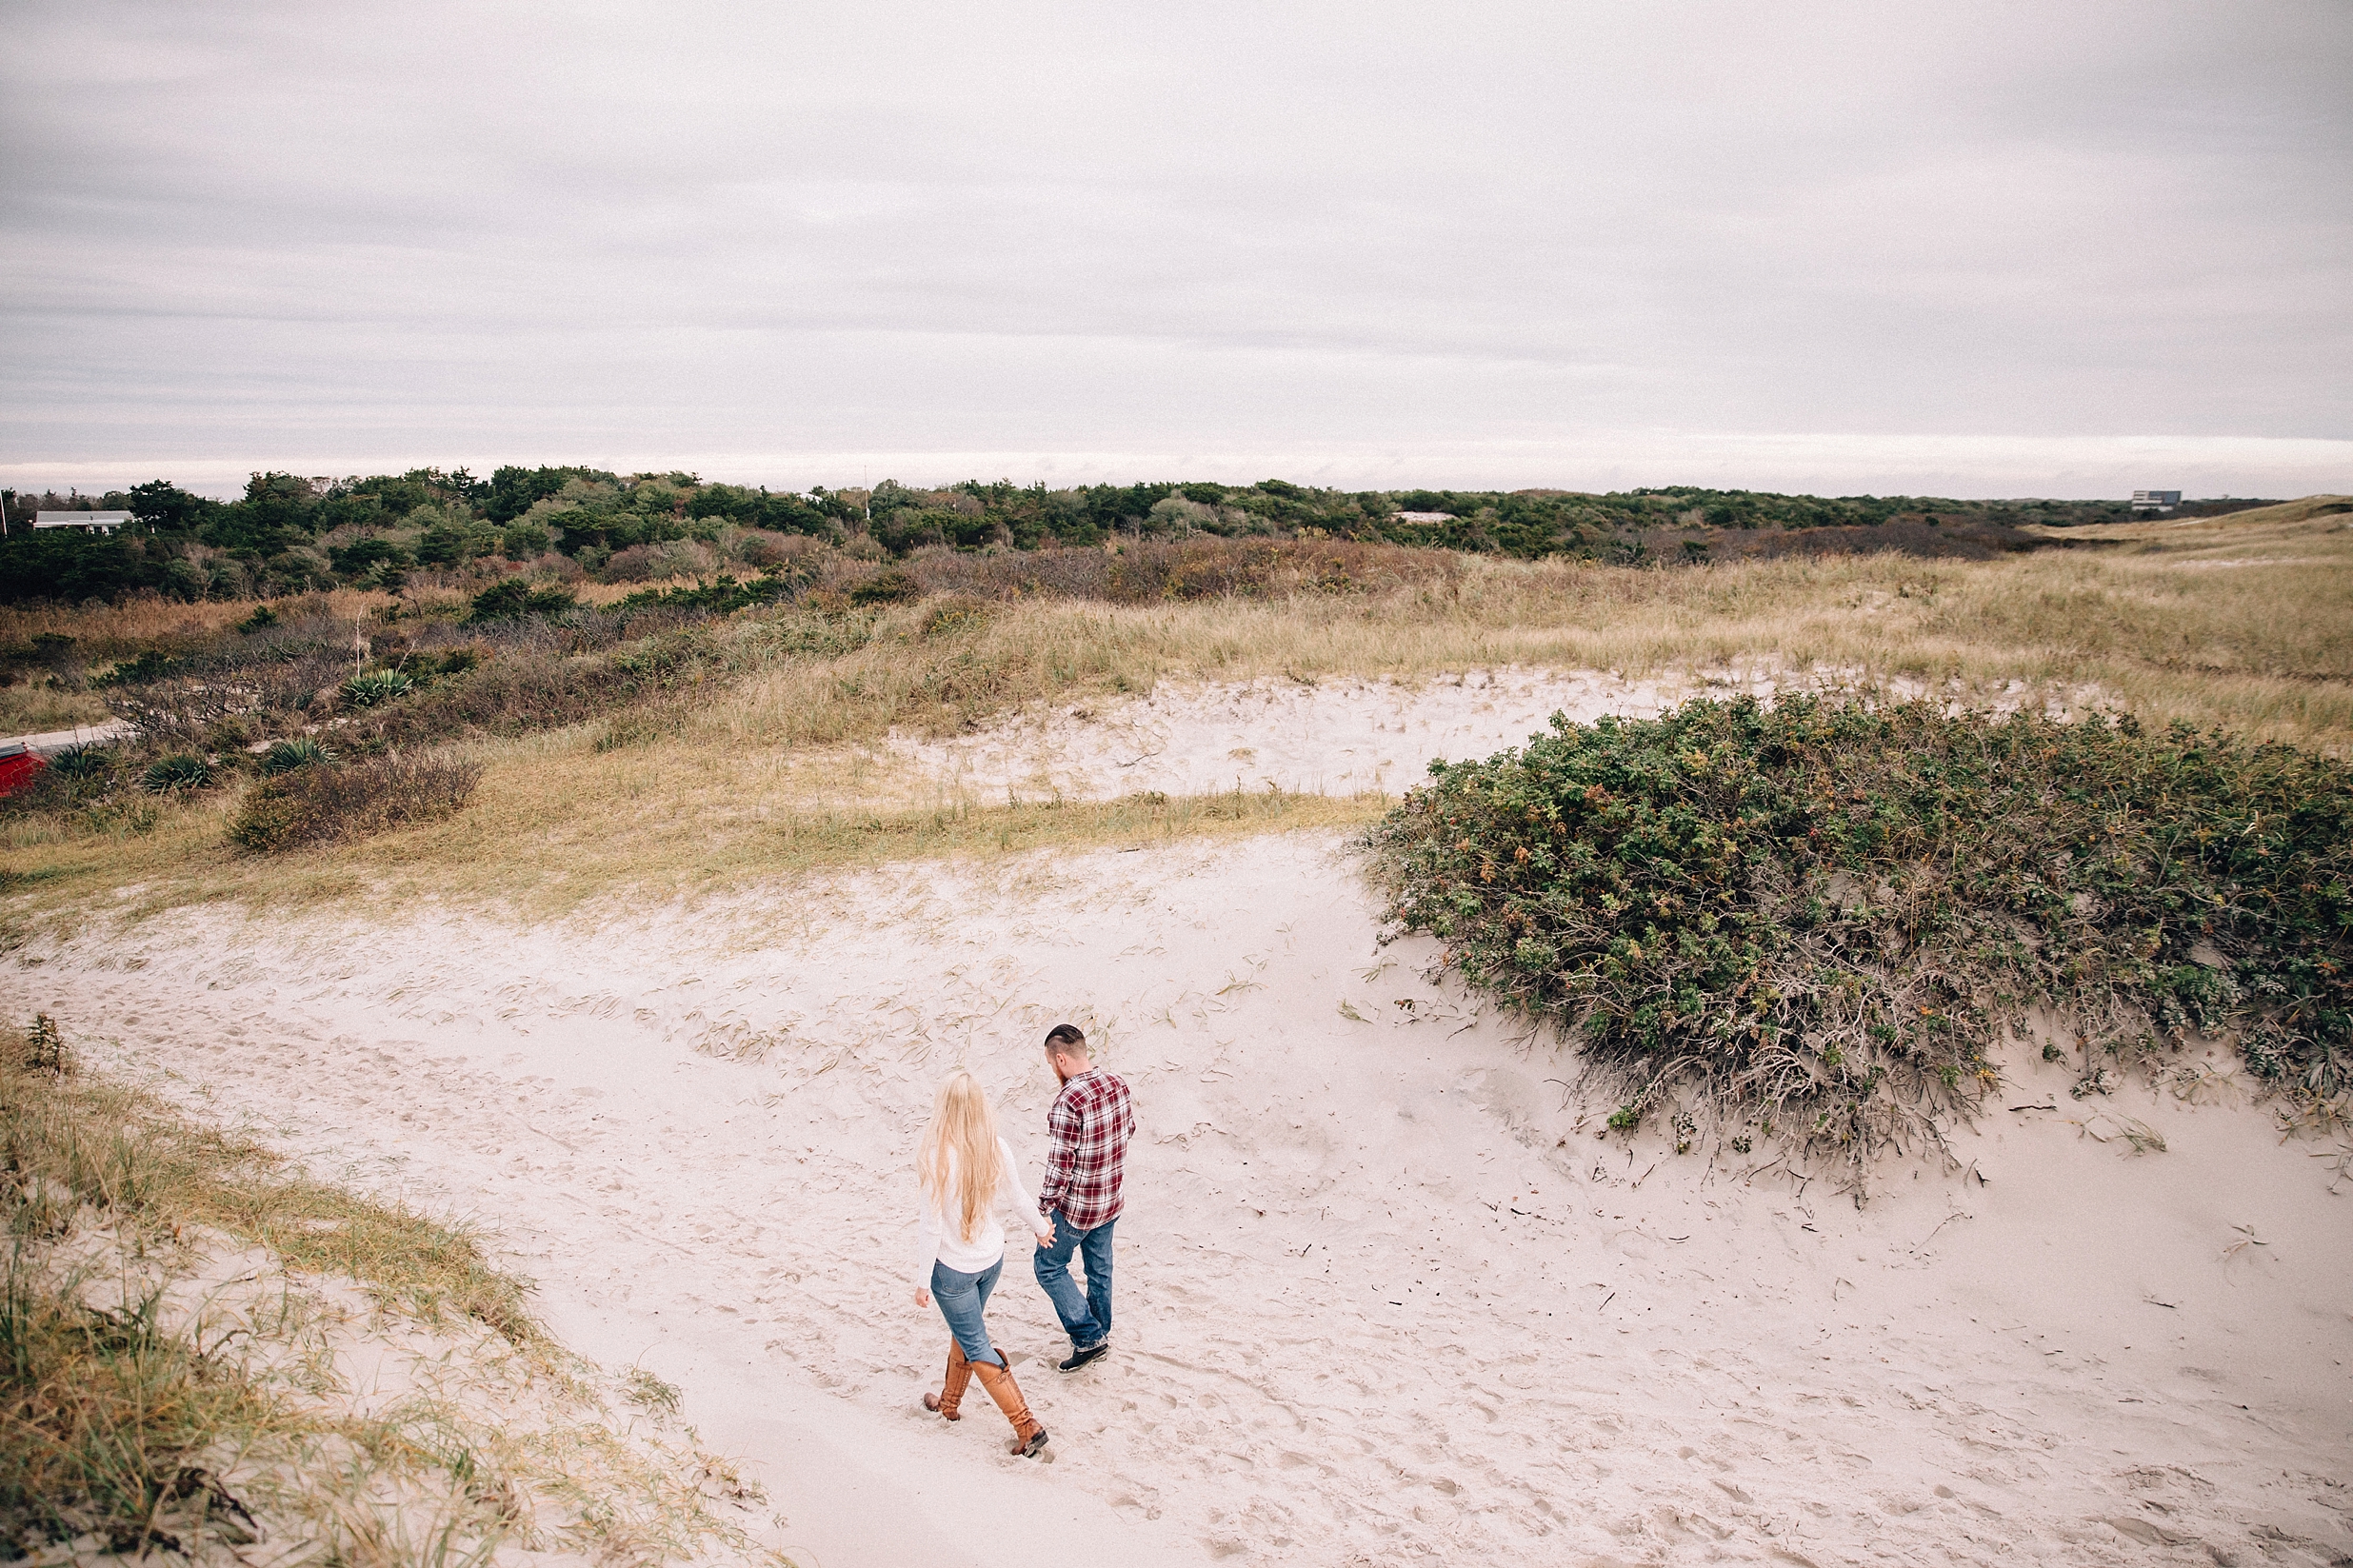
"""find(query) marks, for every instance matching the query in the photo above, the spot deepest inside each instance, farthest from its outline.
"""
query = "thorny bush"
(1818, 915)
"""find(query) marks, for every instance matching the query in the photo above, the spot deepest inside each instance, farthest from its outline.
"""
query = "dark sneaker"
(1080, 1358)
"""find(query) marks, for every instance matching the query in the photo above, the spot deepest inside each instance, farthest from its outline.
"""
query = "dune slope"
(1383, 1295)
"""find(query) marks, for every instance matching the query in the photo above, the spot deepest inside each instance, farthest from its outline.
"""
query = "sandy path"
(1380, 1300)
(49, 741)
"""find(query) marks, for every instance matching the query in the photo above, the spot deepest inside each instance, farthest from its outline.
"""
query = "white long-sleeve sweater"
(940, 1239)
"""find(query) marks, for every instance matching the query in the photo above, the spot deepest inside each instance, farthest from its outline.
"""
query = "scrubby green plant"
(955, 614)
(262, 618)
(181, 771)
(150, 666)
(1827, 910)
(81, 763)
(514, 598)
(885, 587)
(724, 596)
(312, 805)
(45, 1048)
(375, 687)
(285, 756)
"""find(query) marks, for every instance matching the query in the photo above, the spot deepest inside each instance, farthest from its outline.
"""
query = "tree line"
(289, 533)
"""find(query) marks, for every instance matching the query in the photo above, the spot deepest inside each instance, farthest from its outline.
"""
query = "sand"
(1335, 735)
(1384, 1296)
(326, 1350)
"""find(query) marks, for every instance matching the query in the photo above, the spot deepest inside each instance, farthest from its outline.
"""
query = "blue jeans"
(963, 1298)
(1087, 1319)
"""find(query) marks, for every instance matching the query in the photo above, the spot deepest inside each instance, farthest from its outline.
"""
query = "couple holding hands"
(971, 1181)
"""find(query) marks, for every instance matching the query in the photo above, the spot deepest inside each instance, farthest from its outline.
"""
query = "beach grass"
(557, 824)
(157, 1400)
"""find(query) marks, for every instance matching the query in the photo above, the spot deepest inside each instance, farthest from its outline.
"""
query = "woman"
(969, 1177)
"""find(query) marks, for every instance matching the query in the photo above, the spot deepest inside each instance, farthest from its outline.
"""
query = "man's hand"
(923, 1298)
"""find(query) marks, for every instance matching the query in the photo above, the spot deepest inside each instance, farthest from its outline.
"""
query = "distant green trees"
(288, 532)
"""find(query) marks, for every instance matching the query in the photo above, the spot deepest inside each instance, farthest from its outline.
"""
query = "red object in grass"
(18, 763)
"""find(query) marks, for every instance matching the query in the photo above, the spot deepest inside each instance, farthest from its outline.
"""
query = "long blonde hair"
(962, 1120)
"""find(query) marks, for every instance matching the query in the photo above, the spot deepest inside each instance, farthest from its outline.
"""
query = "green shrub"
(376, 685)
(312, 805)
(176, 772)
(514, 598)
(262, 618)
(45, 1048)
(1828, 911)
(80, 763)
(150, 666)
(885, 587)
(954, 614)
(285, 756)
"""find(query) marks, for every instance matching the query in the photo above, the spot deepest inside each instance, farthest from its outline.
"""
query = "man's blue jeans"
(963, 1299)
(1085, 1317)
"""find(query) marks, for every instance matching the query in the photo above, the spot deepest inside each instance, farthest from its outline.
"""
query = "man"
(1089, 1126)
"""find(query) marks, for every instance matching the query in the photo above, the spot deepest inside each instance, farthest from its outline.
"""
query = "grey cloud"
(1105, 228)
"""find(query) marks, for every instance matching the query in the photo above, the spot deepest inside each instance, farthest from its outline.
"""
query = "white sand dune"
(1337, 735)
(1340, 735)
(1382, 1296)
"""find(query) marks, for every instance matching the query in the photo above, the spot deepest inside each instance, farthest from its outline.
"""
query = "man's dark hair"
(1067, 1038)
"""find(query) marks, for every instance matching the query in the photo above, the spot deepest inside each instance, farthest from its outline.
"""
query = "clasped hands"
(1043, 1238)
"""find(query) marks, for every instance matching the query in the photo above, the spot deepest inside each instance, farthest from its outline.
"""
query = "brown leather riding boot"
(950, 1397)
(1029, 1436)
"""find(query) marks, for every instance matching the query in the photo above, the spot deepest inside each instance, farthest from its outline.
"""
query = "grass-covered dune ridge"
(1814, 918)
(203, 1349)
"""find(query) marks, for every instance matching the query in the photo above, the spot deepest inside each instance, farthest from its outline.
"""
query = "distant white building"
(103, 521)
(2155, 501)
(1425, 517)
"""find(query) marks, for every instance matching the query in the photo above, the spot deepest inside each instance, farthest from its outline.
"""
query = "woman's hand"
(922, 1296)
(1044, 1238)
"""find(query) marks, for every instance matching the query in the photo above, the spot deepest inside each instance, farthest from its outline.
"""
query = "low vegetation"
(323, 804)
(182, 1321)
(1814, 920)
(660, 736)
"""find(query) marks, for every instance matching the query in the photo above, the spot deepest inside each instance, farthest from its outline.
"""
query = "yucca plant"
(81, 761)
(377, 685)
(175, 772)
(285, 756)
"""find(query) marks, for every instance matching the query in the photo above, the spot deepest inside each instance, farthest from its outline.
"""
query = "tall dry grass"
(2238, 622)
(2264, 646)
(148, 619)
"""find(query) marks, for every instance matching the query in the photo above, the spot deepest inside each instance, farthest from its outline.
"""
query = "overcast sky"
(1963, 249)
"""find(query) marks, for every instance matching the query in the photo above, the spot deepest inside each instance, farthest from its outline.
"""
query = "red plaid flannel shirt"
(1089, 1124)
